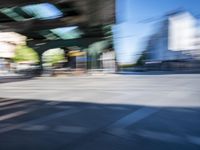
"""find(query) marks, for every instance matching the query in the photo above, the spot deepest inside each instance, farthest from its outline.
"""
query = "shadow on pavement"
(8, 79)
(60, 125)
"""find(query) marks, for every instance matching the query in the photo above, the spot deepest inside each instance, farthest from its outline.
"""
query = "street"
(101, 112)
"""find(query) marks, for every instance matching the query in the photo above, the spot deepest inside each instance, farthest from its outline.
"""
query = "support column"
(40, 70)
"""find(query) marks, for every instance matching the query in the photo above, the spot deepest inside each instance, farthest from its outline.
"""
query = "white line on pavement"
(133, 117)
(40, 120)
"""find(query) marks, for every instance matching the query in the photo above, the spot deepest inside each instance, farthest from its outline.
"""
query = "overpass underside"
(45, 22)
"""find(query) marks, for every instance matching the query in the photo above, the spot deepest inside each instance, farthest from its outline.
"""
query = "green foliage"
(25, 53)
(97, 47)
(53, 56)
(142, 59)
(56, 58)
(107, 29)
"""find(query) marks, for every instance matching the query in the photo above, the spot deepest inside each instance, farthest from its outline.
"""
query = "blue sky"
(136, 10)
(130, 34)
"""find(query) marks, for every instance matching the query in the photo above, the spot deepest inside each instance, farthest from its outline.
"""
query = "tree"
(25, 53)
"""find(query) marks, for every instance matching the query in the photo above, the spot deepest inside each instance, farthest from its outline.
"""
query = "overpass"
(43, 21)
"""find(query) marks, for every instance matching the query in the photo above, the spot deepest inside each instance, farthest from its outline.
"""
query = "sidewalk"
(11, 77)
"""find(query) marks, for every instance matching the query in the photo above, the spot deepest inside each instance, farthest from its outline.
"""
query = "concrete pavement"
(111, 112)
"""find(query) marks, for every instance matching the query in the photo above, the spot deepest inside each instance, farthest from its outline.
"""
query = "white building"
(8, 43)
(177, 38)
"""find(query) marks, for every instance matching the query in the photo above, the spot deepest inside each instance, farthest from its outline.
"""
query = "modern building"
(176, 39)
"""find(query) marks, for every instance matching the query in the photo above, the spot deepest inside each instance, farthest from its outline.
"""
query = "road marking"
(53, 103)
(161, 136)
(194, 139)
(16, 106)
(10, 102)
(133, 118)
(40, 120)
(5, 99)
(60, 128)
(15, 114)
(123, 133)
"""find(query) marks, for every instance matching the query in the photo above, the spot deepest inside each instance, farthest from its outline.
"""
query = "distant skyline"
(130, 33)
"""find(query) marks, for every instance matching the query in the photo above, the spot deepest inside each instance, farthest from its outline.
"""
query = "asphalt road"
(110, 112)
